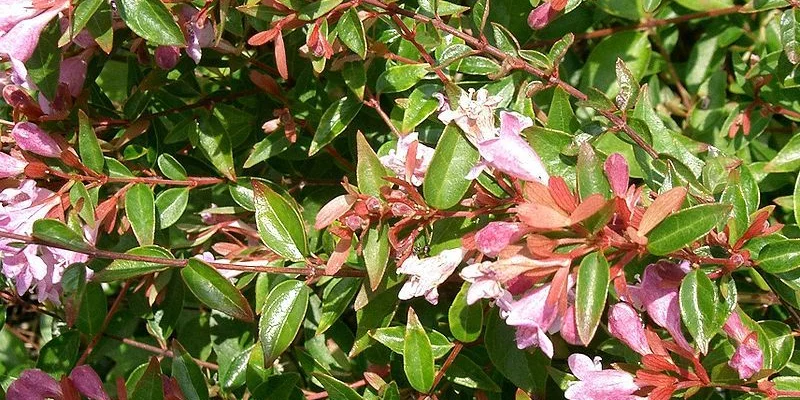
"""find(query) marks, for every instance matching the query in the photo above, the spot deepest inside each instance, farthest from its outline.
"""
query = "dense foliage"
(375, 199)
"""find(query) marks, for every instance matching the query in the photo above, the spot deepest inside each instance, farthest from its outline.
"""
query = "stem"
(179, 263)
(106, 321)
(158, 350)
(514, 63)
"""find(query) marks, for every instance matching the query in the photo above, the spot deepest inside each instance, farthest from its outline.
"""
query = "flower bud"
(624, 324)
(30, 137)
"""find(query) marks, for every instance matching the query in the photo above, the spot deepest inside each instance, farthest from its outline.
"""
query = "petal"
(33, 384)
(624, 324)
(512, 123)
(30, 137)
(569, 330)
(748, 358)
(495, 236)
(616, 169)
(582, 366)
(11, 166)
(20, 42)
(167, 57)
(73, 74)
(88, 383)
(514, 156)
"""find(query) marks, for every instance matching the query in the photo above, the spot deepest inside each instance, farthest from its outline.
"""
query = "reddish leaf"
(539, 194)
(280, 57)
(663, 206)
(587, 208)
(541, 216)
(333, 210)
(562, 194)
(339, 256)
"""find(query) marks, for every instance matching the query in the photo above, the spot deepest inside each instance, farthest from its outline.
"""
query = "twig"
(158, 350)
(114, 307)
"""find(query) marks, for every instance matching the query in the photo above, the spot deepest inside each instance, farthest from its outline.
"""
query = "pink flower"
(88, 383)
(569, 328)
(398, 158)
(596, 383)
(497, 235)
(73, 72)
(11, 166)
(34, 266)
(474, 115)
(199, 33)
(748, 358)
(510, 153)
(167, 57)
(30, 137)
(658, 294)
(624, 324)
(484, 282)
(542, 15)
(532, 320)
(34, 384)
(425, 275)
(21, 24)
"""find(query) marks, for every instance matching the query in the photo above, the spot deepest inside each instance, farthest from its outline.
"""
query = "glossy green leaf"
(314, 10)
(93, 310)
(334, 121)
(214, 141)
(337, 390)
(632, 47)
(465, 372)
(376, 253)
(787, 159)
(591, 177)
(445, 183)
(351, 32)
(394, 338)
(702, 313)
(561, 116)
(466, 321)
(417, 355)
(421, 104)
(214, 290)
(58, 356)
(336, 297)
(149, 385)
(151, 20)
(781, 256)
(188, 374)
(790, 34)
(369, 170)
(88, 146)
(400, 77)
(170, 205)
(796, 199)
(281, 317)
(54, 231)
(44, 64)
(81, 15)
(171, 168)
(120, 270)
(684, 227)
(141, 212)
(526, 370)
(279, 223)
(591, 291)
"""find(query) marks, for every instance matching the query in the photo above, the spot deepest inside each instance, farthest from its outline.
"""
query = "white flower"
(474, 115)
(397, 158)
(424, 275)
(484, 282)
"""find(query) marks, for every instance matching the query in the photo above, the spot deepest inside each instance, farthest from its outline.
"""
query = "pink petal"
(616, 169)
(513, 123)
(21, 40)
(748, 358)
(735, 328)
(30, 137)
(11, 166)
(495, 236)
(582, 366)
(624, 324)
(73, 74)
(569, 330)
(541, 16)
(33, 384)
(88, 383)
(167, 57)
(512, 155)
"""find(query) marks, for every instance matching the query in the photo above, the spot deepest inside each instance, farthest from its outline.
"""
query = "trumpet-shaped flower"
(485, 282)
(596, 383)
(30, 137)
(532, 319)
(426, 274)
(625, 324)
(397, 160)
(474, 115)
(748, 358)
(496, 235)
(510, 153)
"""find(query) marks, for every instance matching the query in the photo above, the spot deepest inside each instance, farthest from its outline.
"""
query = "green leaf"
(93, 310)
(140, 209)
(333, 122)
(281, 318)
(591, 177)
(214, 290)
(120, 270)
(275, 143)
(170, 205)
(779, 257)
(317, 9)
(400, 77)
(90, 152)
(445, 182)
(188, 374)
(628, 86)
(790, 34)
(355, 77)
(465, 372)
(56, 232)
(599, 72)
(421, 104)
(213, 139)
(526, 370)
(171, 168)
(336, 297)
(149, 386)
(466, 321)
(82, 202)
(45, 62)
(337, 390)
(561, 117)
(151, 20)
(351, 32)
(100, 26)
(394, 338)
(701, 310)
(787, 159)
(796, 199)
(590, 294)
(781, 340)
(369, 170)
(376, 253)
(417, 355)
(58, 356)
(81, 15)
(684, 227)
(279, 223)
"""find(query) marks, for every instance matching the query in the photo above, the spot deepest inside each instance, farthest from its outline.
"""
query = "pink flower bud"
(88, 383)
(167, 57)
(495, 236)
(30, 137)
(616, 169)
(624, 324)
(542, 15)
